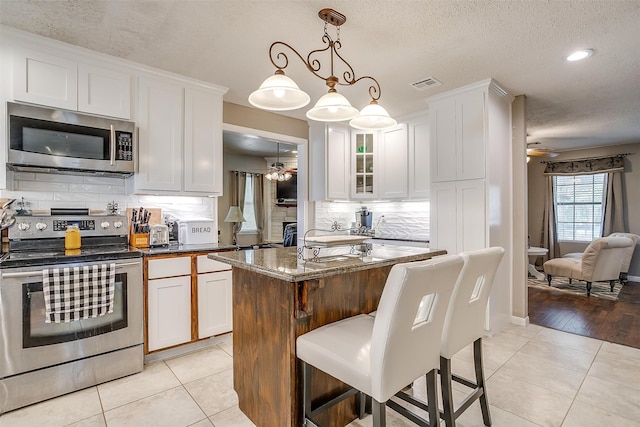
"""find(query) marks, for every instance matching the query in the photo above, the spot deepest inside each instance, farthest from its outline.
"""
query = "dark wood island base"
(274, 305)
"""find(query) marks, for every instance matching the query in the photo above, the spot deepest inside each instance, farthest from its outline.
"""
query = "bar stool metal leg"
(477, 362)
(379, 414)
(447, 392)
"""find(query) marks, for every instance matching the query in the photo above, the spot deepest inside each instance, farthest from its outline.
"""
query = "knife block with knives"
(139, 220)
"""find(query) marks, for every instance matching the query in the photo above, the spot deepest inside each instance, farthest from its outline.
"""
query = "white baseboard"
(633, 278)
(520, 321)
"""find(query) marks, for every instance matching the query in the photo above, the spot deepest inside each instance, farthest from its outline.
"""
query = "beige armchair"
(600, 262)
(628, 254)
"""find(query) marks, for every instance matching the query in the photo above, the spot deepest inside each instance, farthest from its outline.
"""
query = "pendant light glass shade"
(279, 93)
(332, 107)
(373, 117)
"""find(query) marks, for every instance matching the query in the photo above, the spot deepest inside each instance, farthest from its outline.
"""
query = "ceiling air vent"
(426, 83)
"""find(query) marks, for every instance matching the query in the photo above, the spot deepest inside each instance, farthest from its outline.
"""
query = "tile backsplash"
(45, 191)
(402, 220)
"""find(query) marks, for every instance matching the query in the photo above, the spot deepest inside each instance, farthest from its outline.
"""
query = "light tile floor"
(536, 377)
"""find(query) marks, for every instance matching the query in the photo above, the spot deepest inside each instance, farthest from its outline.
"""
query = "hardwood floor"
(613, 321)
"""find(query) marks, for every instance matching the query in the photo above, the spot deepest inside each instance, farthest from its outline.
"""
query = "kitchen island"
(278, 297)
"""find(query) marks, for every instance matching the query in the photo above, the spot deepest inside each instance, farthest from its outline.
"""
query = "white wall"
(402, 220)
(45, 191)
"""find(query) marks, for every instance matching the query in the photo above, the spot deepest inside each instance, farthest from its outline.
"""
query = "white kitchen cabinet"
(214, 304)
(419, 157)
(60, 82)
(458, 220)
(364, 164)
(160, 130)
(471, 199)
(168, 302)
(180, 139)
(169, 312)
(458, 135)
(392, 153)
(104, 91)
(202, 141)
(214, 297)
(45, 79)
(338, 162)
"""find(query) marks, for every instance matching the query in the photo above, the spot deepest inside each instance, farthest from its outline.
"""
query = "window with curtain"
(579, 205)
(248, 210)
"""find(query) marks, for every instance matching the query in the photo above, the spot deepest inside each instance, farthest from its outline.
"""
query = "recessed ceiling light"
(580, 54)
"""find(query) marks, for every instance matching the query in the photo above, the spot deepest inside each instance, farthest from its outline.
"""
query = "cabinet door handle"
(112, 145)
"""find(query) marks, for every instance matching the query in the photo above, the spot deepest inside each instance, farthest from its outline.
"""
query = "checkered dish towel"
(77, 293)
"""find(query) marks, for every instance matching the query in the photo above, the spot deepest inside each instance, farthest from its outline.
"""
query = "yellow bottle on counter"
(72, 237)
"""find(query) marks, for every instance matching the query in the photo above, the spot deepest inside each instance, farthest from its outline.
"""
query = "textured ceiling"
(521, 44)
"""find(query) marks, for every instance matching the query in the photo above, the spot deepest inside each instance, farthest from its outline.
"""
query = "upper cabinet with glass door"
(365, 164)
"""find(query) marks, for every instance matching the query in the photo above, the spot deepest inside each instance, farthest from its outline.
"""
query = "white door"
(419, 158)
(214, 303)
(103, 91)
(338, 162)
(160, 112)
(392, 154)
(202, 142)
(169, 312)
(44, 79)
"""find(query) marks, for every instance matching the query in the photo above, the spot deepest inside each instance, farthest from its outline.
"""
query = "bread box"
(197, 231)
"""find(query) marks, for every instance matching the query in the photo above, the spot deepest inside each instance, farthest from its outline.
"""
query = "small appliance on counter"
(197, 231)
(158, 235)
(362, 226)
(364, 218)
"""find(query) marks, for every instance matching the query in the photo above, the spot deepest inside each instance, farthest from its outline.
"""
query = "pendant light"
(281, 93)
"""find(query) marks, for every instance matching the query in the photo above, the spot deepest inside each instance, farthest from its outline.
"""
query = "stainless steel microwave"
(61, 141)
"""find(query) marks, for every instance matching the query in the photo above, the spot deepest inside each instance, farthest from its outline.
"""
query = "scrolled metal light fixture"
(281, 93)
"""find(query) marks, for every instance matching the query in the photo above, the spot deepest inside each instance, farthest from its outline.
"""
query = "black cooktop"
(31, 258)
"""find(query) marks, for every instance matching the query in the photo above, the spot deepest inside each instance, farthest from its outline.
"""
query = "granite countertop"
(283, 263)
(175, 248)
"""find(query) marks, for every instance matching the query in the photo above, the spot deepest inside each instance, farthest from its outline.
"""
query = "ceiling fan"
(540, 151)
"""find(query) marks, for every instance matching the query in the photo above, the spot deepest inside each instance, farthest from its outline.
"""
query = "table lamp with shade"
(234, 215)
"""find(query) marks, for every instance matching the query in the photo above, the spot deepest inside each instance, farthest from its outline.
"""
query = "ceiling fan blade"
(541, 152)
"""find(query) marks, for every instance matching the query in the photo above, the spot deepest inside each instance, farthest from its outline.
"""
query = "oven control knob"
(41, 226)
(104, 224)
(117, 224)
(23, 226)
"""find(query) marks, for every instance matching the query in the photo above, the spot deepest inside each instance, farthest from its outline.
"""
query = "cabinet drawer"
(169, 267)
(206, 265)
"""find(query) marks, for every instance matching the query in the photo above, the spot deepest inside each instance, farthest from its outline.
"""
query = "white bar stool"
(380, 355)
(464, 325)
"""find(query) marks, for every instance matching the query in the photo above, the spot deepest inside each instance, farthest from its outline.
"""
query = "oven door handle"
(38, 273)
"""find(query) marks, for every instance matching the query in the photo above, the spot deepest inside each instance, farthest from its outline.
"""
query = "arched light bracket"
(281, 93)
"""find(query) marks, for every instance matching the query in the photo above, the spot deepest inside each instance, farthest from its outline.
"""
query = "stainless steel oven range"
(39, 359)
